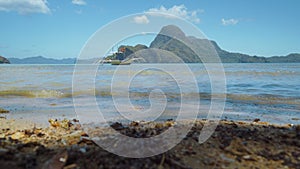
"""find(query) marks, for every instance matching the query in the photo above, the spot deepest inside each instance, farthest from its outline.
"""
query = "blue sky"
(60, 28)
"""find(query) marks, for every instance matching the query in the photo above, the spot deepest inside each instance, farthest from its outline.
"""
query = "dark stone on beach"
(256, 120)
(117, 126)
(3, 111)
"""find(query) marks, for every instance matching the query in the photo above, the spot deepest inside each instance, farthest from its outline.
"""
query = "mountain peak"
(167, 34)
(172, 31)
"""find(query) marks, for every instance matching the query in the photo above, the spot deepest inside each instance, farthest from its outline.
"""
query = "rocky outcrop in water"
(125, 50)
(3, 60)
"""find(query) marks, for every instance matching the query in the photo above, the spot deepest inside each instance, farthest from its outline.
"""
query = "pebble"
(227, 159)
(256, 120)
(2, 135)
(247, 157)
(71, 166)
(83, 150)
(3, 111)
(63, 160)
(17, 135)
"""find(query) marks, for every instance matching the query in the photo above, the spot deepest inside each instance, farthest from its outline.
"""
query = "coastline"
(234, 144)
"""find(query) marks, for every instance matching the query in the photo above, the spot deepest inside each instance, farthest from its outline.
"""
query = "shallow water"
(270, 92)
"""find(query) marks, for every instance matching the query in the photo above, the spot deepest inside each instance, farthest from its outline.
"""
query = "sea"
(269, 92)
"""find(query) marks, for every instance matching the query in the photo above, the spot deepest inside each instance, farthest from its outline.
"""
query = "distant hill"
(293, 57)
(167, 40)
(3, 60)
(165, 48)
(206, 47)
(41, 60)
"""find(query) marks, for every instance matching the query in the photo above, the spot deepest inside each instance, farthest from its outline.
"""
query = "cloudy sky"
(60, 28)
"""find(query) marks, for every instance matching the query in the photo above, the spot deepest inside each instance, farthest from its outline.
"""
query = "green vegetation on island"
(125, 51)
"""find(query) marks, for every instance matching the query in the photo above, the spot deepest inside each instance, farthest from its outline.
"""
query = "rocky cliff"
(171, 38)
(3, 60)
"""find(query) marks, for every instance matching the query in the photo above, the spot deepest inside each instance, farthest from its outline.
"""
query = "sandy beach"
(233, 145)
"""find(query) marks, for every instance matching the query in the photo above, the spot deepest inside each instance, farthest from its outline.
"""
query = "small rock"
(117, 126)
(263, 123)
(17, 135)
(83, 150)
(54, 122)
(226, 159)
(57, 161)
(62, 159)
(159, 125)
(169, 123)
(246, 157)
(134, 123)
(88, 140)
(65, 123)
(71, 166)
(2, 135)
(3, 111)
(256, 120)
(75, 120)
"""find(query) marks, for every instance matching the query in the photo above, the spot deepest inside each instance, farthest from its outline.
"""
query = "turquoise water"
(270, 92)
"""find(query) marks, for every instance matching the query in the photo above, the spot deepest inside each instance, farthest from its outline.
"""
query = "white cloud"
(25, 6)
(78, 2)
(180, 11)
(231, 21)
(141, 19)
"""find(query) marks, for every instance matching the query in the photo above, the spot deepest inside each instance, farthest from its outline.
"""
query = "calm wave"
(253, 90)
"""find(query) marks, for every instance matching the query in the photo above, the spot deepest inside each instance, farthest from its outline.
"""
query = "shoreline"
(234, 144)
(39, 117)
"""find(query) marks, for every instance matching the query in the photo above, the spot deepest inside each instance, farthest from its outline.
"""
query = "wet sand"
(233, 145)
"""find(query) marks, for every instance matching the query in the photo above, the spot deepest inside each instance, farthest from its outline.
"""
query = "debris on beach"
(65, 123)
(2, 111)
(57, 161)
(232, 145)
